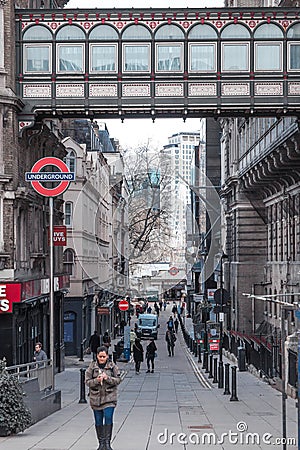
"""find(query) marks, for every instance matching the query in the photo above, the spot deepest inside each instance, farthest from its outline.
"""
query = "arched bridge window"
(68, 261)
(37, 56)
(103, 57)
(202, 55)
(235, 54)
(136, 57)
(169, 57)
(294, 48)
(70, 56)
(268, 55)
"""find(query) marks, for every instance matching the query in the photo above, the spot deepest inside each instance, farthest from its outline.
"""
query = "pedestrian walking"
(150, 355)
(39, 354)
(138, 355)
(170, 339)
(170, 323)
(106, 340)
(149, 310)
(94, 343)
(165, 304)
(132, 339)
(160, 305)
(176, 324)
(102, 378)
(174, 309)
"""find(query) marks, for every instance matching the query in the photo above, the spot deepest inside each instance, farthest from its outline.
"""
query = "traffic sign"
(123, 305)
(173, 271)
(36, 176)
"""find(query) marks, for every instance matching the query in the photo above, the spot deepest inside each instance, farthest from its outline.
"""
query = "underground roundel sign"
(37, 176)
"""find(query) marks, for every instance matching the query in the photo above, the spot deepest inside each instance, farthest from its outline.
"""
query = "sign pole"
(51, 288)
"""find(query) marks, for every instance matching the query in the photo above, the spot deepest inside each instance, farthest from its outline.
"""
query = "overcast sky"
(137, 131)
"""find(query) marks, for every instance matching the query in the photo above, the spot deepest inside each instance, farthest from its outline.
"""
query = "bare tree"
(149, 211)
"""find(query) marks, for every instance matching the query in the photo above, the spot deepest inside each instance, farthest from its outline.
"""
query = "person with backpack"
(170, 339)
(150, 355)
(170, 324)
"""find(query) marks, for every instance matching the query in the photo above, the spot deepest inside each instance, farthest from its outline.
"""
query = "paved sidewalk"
(177, 398)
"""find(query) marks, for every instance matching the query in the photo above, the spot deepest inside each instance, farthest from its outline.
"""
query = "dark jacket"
(94, 342)
(151, 349)
(102, 396)
(138, 352)
(170, 338)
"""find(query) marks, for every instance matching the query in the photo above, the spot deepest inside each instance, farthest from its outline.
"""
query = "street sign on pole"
(123, 305)
(36, 177)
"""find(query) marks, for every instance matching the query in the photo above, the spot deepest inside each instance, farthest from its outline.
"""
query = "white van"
(147, 326)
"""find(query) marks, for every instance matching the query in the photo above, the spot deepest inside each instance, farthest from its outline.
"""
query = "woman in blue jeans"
(102, 378)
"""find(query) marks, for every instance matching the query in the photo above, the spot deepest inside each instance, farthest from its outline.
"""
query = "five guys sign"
(9, 293)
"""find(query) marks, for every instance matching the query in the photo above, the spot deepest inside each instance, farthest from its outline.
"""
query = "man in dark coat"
(170, 339)
(138, 355)
(94, 343)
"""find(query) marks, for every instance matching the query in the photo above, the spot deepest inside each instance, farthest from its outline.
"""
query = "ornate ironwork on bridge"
(158, 62)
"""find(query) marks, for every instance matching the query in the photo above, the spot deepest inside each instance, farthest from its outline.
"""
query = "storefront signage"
(59, 235)
(9, 293)
(102, 311)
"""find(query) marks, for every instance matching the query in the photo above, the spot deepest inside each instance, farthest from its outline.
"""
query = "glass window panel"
(267, 56)
(169, 58)
(70, 58)
(294, 56)
(203, 57)
(103, 58)
(136, 32)
(37, 59)
(235, 57)
(70, 33)
(294, 31)
(167, 32)
(136, 58)
(37, 33)
(103, 32)
(202, 32)
(235, 31)
(268, 30)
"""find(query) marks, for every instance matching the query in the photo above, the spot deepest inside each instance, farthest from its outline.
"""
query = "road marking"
(197, 371)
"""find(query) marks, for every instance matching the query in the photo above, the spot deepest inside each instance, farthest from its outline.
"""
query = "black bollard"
(82, 386)
(195, 348)
(81, 352)
(205, 361)
(211, 366)
(233, 397)
(199, 354)
(215, 380)
(227, 391)
(221, 375)
(191, 345)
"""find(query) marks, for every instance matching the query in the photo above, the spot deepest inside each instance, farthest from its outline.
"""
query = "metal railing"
(42, 370)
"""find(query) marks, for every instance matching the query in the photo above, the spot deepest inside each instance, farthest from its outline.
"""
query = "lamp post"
(221, 320)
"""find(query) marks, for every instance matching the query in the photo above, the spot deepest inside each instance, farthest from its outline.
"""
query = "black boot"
(107, 434)
(101, 436)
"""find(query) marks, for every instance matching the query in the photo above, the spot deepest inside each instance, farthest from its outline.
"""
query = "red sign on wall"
(59, 235)
(9, 293)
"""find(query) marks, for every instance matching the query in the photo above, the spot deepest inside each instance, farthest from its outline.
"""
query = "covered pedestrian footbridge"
(158, 62)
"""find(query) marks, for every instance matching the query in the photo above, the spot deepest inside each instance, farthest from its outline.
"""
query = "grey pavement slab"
(153, 410)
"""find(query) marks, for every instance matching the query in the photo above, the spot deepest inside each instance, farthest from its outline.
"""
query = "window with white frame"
(136, 58)
(235, 57)
(268, 56)
(71, 160)
(70, 58)
(68, 214)
(68, 261)
(202, 57)
(37, 58)
(169, 58)
(294, 55)
(103, 58)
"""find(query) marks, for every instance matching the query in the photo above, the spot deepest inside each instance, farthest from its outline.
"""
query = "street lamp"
(221, 320)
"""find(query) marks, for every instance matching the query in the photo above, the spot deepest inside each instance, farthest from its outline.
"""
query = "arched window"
(136, 32)
(70, 33)
(103, 33)
(235, 31)
(294, 48)
(71, 160)
(37, 33)
(268, 54)
(70, 57)
(68, 219)
(169, 32)
(202, 32)
(235, 55)
(68, 261)
(37, 56)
